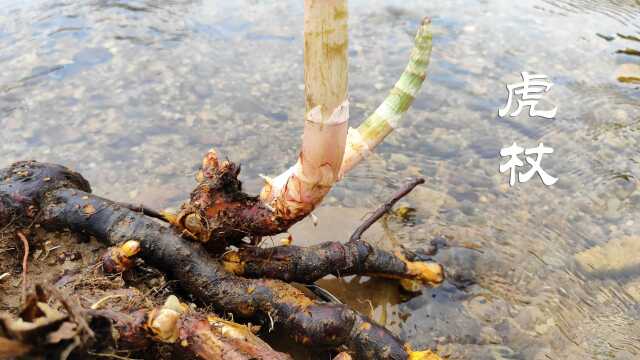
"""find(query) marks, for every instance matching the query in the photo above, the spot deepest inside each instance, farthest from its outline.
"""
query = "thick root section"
(300, 264)
(278, 303)
(207, 336)
(219, 213)
(308, 264)
(48, 330)
(427, 272)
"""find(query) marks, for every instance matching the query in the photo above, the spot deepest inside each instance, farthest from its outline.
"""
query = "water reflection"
(132, 93)
(623, 11)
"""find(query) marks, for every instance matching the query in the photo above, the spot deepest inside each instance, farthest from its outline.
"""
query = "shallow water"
(133, 93)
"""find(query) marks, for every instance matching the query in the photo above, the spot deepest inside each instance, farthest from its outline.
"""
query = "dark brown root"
(45, 331)
(220, 214)
(63, 201)
(308, 264)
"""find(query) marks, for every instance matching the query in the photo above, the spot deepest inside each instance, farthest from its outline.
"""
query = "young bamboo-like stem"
(361, 141)
(295, 193)
(218, 209)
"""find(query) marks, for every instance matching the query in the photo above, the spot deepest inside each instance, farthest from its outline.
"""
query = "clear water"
(133, 93)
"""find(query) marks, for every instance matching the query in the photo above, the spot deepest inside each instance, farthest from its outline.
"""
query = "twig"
(25, 264)
(145, 210)
(271, 323)
(48, 251)
(323, 293)
(98, 304)
(385, 208)
(628, 37)
(628, 51)
(114, 356)
(7, 226)
(74, 310)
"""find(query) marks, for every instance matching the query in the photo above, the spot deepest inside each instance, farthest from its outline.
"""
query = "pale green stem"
(387, 116)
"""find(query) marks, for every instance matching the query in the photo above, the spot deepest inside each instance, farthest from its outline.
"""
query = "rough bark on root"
(59, 198)
(42, 331)
(308, 264)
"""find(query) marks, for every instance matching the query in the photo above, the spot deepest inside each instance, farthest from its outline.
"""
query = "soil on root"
(72, 263)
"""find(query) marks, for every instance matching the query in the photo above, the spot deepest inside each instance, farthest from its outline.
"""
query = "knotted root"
(308, 264)
(220, 214)
(44, 330)
(58, 198)
(120, 258)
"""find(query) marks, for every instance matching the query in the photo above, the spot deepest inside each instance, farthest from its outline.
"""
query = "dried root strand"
(43, 330)
(25, 263)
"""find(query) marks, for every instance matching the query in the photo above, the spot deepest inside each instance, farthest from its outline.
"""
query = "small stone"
(633, 289)
(133, 194)
(487, 309)
(628, 71)
(414, 171)
(430, 201)
(92, 56)
(224, 111)
(544, 328)
(190, 119)
(400, 159)
(614, 256)
(612, 211)
(478, 89)
(490, 335)
(621, 116)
